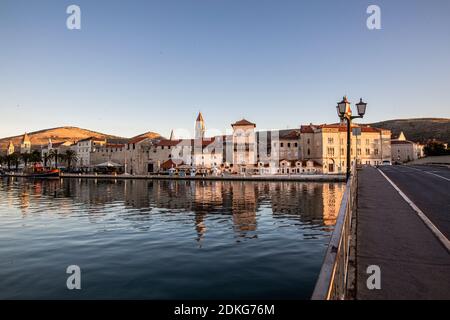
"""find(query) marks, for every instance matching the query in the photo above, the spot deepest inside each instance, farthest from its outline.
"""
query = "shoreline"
(280, 178)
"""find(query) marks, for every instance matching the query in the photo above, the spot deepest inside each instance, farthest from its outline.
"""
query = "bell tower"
(199, 127)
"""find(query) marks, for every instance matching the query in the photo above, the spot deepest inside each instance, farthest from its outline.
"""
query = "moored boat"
(38, 171)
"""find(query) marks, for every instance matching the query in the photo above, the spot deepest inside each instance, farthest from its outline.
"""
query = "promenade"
(300, 178)
(406, 236)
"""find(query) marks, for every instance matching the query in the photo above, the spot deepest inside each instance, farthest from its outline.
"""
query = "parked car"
(386, 163)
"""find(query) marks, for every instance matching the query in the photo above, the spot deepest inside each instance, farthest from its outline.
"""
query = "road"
(428, 187)
(391, 234)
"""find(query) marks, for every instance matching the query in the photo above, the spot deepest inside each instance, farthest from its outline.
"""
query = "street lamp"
(344, 112)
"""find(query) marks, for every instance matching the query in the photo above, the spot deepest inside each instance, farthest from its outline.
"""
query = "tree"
(25, 158)
(8, 160)
(35, 157)
(53, 154)
(47, 158)
(435, 148)
(70, 156)
(14, 158)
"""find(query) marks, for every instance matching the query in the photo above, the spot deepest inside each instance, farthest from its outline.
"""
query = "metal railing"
(332, 281)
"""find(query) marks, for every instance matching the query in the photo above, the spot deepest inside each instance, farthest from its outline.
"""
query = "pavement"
(414, 263)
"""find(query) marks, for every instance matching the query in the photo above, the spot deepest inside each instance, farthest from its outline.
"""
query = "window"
(289, 144)
(342, 151)
(281, 144)
(330, 140)
(331, 152)
(308, 141)
(358, 151)
(367, 152)
(309, 152)
(296, 144)
(375, 151)
(367, 141)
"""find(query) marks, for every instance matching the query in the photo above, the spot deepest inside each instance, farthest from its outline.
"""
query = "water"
(140, 239)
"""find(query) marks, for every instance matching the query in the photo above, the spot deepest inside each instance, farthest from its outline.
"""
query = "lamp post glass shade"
(342, 107)
(361, 106)
(340, 115)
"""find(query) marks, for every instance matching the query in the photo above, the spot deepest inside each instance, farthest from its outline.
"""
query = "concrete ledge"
(314, 178)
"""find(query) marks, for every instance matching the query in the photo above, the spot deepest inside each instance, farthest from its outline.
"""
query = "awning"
(108, 164)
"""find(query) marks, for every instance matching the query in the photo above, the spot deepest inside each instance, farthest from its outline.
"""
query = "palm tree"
(35, 157)
(70, 156)
(53, 154)
(2, 160)
(8, 160)
(25, 158)
(14, 159)
(47, 158)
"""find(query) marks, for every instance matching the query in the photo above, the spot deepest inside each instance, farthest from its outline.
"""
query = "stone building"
(25, 145)
(404, 150)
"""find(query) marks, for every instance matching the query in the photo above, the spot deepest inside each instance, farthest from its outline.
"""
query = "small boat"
(38, 171)
(53, 173)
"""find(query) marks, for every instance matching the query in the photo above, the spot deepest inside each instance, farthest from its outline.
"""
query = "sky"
(138, 66)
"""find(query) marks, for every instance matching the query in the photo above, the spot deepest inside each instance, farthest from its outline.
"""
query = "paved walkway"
(413, 263)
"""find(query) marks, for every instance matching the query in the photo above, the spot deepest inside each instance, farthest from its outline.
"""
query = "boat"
(38, 171)
(53, 173)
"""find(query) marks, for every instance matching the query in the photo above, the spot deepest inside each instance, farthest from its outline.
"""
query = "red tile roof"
(166, 143)
(168, 164)
(243, 122)
(136, 140)
(340, 127)
(293, 135)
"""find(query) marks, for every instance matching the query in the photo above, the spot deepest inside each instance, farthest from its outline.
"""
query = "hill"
(418, 130)
(59, 134)
(149, 134)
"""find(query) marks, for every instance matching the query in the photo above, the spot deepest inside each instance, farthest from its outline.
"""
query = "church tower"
(25, 146)
(199, 127)
(10, 149)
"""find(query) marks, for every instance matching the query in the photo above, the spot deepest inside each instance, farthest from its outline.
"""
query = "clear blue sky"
(139, 66)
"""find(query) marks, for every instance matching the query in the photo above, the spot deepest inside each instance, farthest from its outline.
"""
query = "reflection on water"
(164, 239)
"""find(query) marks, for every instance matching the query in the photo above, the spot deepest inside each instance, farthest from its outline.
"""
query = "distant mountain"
(150, 135)
(418, 130)
(60, 134)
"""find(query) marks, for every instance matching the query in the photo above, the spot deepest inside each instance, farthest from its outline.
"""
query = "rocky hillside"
(419, 130)
(57, 135)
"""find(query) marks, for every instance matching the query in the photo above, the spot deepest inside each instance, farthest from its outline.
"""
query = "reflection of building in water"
(332, 197)
(236, 202)
(309, 202)
(208, 195)
(136, 193)
(244, 206)
(24, 198)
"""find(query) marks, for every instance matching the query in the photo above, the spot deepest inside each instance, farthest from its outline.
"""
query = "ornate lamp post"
(344, 112)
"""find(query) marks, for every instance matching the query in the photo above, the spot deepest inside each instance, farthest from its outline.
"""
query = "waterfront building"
(327, 145)
(10, 150)
(404, 150)
(311, 149)
(25, 145)
(84, 148)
